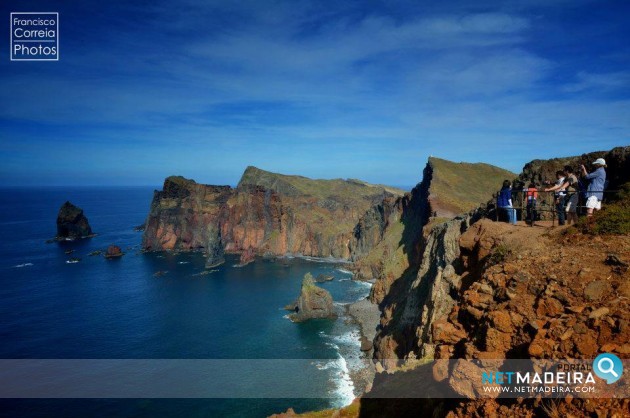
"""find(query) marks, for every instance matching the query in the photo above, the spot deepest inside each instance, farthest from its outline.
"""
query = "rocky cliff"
(415, 299)
(378, 227)
(478, 289)
(398, 226)
(267, 213)
(541, 172)
(617, 160)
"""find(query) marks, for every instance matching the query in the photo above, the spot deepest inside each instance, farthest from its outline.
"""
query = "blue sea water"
(110, 309)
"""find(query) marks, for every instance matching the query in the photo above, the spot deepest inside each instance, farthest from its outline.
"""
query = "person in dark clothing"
(560, 195)
(504, 201)
(531, 197)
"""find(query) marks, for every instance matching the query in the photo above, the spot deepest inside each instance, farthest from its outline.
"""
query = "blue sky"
(364, 89)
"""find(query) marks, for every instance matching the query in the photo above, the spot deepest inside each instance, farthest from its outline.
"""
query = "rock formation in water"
(268, 213)
(113, 251)
(247, 256)
(72, 223)
(313, 303)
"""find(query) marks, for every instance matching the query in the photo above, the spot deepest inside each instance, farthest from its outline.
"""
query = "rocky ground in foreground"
(544, 293)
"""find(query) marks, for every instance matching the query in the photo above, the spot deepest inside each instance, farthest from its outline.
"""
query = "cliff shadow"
(415, 215)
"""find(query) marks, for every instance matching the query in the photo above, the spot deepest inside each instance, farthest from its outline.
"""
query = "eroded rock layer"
(266, 214)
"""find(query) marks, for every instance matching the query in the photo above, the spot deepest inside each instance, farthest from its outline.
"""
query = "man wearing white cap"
(595, 191)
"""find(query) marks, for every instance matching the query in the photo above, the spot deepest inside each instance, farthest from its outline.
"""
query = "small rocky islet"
(313, 302)
(72, 224)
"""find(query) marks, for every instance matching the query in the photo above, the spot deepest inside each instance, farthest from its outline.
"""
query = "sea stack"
(314, 302)
(72, 223)
(214, 248)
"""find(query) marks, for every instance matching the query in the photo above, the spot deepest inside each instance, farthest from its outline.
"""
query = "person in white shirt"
(560, 195)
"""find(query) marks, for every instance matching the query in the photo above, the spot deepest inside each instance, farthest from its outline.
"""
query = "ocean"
(122, 309)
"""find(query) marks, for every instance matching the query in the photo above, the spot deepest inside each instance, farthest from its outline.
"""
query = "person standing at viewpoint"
(571, 185)
(595, 190)
(560, 194)
(504, 201)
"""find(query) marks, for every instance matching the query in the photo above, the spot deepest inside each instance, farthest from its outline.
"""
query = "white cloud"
(602, 82)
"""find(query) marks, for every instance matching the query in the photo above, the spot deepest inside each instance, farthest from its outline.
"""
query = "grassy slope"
(460, 187)
(455, 188)
(321, 189)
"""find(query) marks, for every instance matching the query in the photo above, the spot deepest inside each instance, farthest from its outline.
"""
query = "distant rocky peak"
(177, 187)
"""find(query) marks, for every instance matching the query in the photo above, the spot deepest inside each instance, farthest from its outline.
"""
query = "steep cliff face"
(414, 302)
(377, 227)
(617, 160)
(447, 188)
(267, 213)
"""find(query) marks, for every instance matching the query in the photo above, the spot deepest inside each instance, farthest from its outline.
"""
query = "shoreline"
(367, 316)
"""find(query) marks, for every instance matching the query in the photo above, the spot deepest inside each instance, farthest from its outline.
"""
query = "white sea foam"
(344, 271)
(183, 262)
(344, 390)
(351, 338)
(333, 345)
(364, 284)
(23, 265)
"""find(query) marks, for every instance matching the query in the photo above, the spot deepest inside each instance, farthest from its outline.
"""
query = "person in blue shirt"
(595, 190)
(504, 201)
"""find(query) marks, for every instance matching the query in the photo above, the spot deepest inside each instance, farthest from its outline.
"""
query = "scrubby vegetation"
(499, 255)
(614, 218)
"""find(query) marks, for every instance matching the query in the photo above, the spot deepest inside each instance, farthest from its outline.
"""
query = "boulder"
(72, 223)
(322, 278)
(314, 302)
(113, 251)
(247, 256)
(366, 345)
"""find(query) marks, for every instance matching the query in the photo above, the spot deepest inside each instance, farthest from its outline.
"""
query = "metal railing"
(545, 203)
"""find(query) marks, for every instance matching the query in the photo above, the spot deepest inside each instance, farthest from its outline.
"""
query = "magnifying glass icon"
(608, 370)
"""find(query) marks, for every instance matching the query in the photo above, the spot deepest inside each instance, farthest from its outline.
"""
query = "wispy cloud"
(179, 86)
